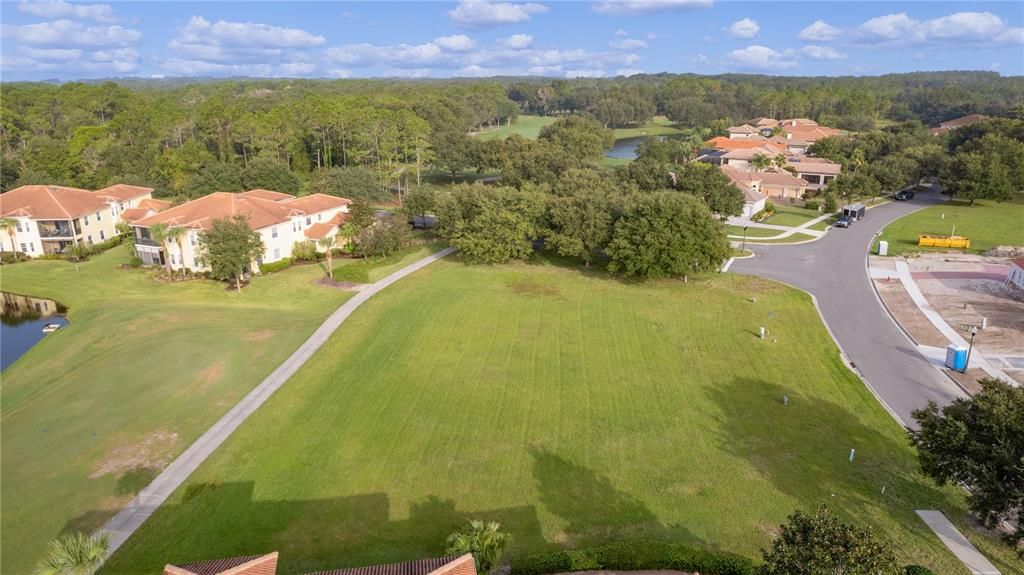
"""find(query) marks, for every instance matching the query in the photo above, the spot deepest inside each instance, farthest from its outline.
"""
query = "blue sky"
(71, 40)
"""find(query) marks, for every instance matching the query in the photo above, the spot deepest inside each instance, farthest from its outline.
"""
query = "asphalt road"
(834, 269)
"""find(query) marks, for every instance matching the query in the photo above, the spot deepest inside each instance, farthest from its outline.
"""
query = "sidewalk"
(133, 515)
(803, 228)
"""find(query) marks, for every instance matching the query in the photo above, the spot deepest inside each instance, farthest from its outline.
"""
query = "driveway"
(834, 270)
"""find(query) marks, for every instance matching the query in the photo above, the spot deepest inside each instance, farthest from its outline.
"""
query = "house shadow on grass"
(214, 520)
(593, 510)
(803, 450)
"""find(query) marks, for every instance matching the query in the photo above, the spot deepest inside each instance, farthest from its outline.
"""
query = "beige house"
(48, 219)
(769, 183)
(280, 219)
(817, 172)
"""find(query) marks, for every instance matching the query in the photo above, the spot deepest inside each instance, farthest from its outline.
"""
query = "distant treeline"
(355, 137)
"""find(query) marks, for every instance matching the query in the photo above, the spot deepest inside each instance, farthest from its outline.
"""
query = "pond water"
(21, 324)
(625, 148)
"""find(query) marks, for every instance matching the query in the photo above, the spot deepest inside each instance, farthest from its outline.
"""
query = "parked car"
(904, 195)
(842, 222)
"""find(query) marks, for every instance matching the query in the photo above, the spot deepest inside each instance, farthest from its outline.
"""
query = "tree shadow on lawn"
(594, 511)
(222, 520)
(803, 449)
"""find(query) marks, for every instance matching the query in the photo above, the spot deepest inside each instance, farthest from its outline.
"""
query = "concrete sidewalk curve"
(129, 519)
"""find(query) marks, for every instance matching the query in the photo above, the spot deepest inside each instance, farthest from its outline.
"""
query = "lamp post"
(744, 248)
(974, 332)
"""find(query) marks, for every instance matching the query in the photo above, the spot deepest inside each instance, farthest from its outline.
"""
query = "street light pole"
(744, 248)
(974, 332)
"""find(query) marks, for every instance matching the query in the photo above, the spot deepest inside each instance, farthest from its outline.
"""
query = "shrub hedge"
(281, 264)
(636, 555)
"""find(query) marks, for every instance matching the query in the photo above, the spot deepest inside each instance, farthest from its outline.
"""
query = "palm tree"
(77, 554)
(485, 541)
(780, 161)
(760, 162)
(177, 235)
(158, 232)
(328, 244)
(7, 225)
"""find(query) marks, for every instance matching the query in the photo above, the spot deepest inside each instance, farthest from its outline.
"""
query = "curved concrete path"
(834, 270)
(129, 519)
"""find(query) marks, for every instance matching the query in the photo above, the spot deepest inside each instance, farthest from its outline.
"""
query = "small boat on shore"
(51, 327)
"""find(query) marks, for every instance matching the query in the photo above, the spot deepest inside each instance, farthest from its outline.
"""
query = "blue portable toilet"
(956, 357)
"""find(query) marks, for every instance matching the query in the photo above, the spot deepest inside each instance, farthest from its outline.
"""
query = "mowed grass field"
(92, 412)
(986, 223)
(526, 126)
(571, 407)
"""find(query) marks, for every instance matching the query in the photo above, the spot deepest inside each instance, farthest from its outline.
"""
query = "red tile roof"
(158, 205)
(321, 230)
(963, 121)
(452, 563)
(216, 566)
(123, 192)
(132, 215)
(314, 203)
(49, 202)
(200, 213)
(744, 129)
(268, 195)
(723, 143)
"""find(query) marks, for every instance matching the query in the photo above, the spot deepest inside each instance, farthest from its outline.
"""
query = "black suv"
(904, 195)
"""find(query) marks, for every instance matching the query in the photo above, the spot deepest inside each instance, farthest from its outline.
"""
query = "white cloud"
(585, 73)
(745, 28)
(651, 36)
(699, 59)
(198, 30)
(516, 42)
(618, 7)
(52, 54)
(485, 13)
(822, 53)
(819, 31)
(475, 71)
(621, 33)
(962, 28)
(627, 44)
(240, 48)
(761, 58)
(456, 43)
(399, 56)
(339, 73)
(59, 9)
(65, 34)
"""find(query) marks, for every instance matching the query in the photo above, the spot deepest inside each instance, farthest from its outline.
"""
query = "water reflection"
(22, 319)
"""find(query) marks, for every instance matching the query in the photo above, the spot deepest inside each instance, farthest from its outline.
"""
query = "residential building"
(267, 565)
(817, 172)
(948, 125)
(48, 219)
(742, 132)
(280, 219)
(144, 209)
(770, 183)
(1016, 275)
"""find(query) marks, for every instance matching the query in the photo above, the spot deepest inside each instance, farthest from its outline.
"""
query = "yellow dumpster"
(930, 241)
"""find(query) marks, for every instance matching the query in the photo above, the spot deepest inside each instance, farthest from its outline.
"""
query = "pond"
(21, 324)
(625, 148)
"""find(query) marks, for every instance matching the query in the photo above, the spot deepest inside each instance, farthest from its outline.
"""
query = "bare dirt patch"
(347, 286)
(261, 335)
(907, 314)
(155, 451)
(529, 287)
(211, 374)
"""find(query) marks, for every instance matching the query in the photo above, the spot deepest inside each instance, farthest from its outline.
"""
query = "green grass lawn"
(573, 408)
(986, 223)
(373, 269)
(824, 224)
(787, 215)
(752, 232)
(526, 126)
(94, 410)
(792, 239)
(658, 126)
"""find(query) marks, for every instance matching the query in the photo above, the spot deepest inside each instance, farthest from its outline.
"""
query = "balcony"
(146, 242)
(48, 232)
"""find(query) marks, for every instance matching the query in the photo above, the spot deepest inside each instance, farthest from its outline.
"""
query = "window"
(195, 262)
(295, 226)
(17, 225)
(173, 261)
(319, 217)
(277, 254)
(89, 238)
(85, 220)
(121, 206)
(31, 247)
(23, 248)
(99, 216)
(309, 220)
(273, 232)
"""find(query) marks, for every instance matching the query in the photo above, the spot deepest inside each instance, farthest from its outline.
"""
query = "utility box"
(883, 248)
(854, 211)
(956, 357)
